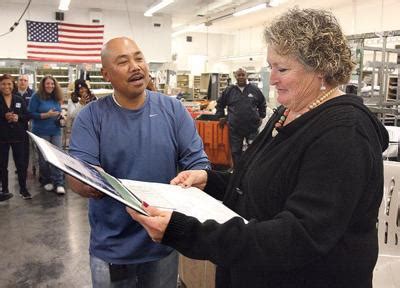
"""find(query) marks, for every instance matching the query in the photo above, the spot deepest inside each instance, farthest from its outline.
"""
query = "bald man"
(25, 92)
(246, 109)
(133, 134)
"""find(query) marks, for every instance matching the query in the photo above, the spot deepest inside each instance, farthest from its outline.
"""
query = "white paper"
(189, 201)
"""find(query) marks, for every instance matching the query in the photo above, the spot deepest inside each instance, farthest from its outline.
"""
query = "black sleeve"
(221, 103)
(261, 105)
(23, 115)
(334, 174)
(217, 182)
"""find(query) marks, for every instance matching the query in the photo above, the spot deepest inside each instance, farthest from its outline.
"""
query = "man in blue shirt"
(133, 134)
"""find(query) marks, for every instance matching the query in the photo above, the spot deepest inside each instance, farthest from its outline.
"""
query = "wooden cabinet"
(182, 82)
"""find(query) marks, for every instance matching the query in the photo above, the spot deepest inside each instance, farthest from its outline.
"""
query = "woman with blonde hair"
(310, 184)
(45, 109)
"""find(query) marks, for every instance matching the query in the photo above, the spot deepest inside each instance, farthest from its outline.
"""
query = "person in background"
(133, 134)
(23, 89)
(45, 109)
(13, 119)
(80, 97)
(151, 86)
(310, 184)
(25, 92)
(246, 109)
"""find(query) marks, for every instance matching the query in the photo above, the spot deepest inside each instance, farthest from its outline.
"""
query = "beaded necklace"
(314, 104)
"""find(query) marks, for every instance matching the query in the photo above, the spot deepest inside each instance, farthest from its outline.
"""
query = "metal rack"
(381, 96)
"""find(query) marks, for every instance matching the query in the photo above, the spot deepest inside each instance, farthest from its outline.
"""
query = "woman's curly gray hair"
(315, 38)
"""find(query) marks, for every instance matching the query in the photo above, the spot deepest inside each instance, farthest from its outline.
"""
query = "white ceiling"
(185, 13)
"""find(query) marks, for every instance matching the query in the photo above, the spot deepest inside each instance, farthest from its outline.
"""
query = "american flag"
(63, 42)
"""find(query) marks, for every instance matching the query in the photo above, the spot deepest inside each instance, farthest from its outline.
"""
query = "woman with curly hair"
(45, 109)
(310, 184)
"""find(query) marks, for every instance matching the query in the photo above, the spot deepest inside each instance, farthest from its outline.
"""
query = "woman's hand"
(191, 178)
(51, 113)
(155, 224)
(84, 98)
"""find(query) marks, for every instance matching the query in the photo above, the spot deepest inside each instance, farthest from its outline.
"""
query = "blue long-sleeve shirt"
(44, 127)
(148, 144)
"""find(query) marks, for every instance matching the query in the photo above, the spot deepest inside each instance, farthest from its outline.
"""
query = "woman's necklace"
(314, 104)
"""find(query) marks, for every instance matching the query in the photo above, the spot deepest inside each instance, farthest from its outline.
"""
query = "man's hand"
(155, 224)
(191, 178)
(222, 122)
(83, 189)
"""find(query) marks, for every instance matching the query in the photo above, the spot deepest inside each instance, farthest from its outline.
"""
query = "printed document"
(190, 201)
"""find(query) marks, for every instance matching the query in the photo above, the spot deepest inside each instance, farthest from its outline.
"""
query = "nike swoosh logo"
(152, 115)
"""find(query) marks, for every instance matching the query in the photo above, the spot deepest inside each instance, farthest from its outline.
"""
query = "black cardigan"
(13, 132)
(312, 196)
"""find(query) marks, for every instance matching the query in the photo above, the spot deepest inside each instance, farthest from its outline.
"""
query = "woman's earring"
(323, 88)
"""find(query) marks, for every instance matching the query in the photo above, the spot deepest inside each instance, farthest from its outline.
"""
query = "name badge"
(17, 105)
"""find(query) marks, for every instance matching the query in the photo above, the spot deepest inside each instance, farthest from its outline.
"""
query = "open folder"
(190, 201)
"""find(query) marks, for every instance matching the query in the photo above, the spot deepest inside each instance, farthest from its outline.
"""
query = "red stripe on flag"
(81, 31)
(62, 53)
(82, 37)
(80, 43)
(46, 59)
(79, 25)
(64, 48)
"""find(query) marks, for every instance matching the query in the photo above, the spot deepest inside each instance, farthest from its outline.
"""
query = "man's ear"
(105, 74)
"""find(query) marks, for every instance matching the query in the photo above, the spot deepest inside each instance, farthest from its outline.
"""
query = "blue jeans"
(155, 274)
(48, 173)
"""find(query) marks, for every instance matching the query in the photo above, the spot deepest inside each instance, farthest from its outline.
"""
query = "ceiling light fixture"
(64, 5)
(250, 10)
(157, 7)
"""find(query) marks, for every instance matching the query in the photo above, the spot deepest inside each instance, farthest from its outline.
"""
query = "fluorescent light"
(192, 28)
(64, 5)
(250, 10)
(157, 7)
(275, 3)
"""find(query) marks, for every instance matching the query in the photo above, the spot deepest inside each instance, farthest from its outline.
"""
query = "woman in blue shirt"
(45, 108)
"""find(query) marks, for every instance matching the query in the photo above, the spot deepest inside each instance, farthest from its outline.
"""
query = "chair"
(386, 274)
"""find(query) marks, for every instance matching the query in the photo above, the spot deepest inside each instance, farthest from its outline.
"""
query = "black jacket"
(312, 196)
(245, 109)
(27, 95)
(13, 132)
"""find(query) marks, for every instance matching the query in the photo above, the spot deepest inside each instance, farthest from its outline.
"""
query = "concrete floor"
(43, 241)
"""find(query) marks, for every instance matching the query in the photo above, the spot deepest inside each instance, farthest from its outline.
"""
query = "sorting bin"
(196, 273)
(215, 140)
